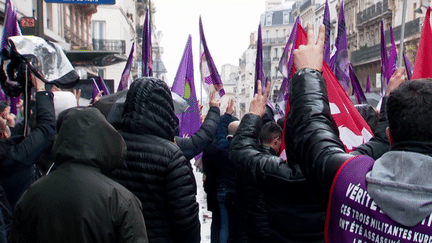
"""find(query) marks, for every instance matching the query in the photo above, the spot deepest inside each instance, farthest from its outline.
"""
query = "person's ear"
(389, 136)
(278, 140)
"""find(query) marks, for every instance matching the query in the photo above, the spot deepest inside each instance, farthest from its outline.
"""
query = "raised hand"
(311, 55)
(396, 79)
(37, 83)
(98, 96)
(213, 100)
(258, 103)
(230, 108)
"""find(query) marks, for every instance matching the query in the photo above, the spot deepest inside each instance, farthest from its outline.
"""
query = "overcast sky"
(227, 26)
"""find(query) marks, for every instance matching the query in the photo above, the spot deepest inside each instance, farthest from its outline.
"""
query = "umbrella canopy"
(111, 106)
(372, 99)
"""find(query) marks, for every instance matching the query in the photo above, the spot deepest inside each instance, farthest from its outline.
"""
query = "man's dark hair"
(269, 131)
(409, 111)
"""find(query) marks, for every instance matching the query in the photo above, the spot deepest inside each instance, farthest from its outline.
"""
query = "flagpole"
(402, 34)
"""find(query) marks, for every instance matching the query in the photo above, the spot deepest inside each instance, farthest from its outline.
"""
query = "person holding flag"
(392, 191)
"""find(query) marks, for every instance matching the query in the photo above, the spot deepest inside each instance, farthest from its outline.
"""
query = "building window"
(285, 17)
(49, 14)
(98, 29)
(267, 34)
(284, 32)
(269, 19)
(276, 52)
(277, 33)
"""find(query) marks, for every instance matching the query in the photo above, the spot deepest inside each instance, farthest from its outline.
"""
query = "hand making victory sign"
(311, 55)
(258, 104)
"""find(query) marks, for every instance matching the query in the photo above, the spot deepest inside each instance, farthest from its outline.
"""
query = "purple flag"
(357, 89)
(147, 61)
(11, 28)
(259, 72)
(326, 22)
(384, 60)
(339, 62)
(368, 90)
(124, 81)
(102, 86)
(14, 101)
(2, 95)
(285, 66)
(209, 73)
(95, 91)
(184, 86)
(408, 67)
(392, 60)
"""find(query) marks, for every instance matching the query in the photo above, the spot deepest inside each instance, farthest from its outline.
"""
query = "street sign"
(28, 25)
(82, 1)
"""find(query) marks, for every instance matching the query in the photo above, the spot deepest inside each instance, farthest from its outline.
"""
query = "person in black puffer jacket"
(156, 170)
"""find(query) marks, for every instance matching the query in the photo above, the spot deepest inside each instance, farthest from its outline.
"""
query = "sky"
(227, 27)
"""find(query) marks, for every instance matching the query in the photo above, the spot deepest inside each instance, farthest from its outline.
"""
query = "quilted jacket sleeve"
(260, 168)
(196, 143)
(311, 133)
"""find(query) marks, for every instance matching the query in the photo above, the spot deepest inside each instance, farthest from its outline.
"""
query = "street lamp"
(419, 10)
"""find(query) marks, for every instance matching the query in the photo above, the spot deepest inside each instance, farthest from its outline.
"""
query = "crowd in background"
(77, 178)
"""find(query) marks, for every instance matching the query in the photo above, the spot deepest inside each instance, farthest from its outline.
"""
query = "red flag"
(423, 63)
(353, 129)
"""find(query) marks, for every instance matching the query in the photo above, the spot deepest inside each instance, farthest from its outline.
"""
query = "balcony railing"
(274, 41)
(373, 11)
(373, 52)
(109, 45)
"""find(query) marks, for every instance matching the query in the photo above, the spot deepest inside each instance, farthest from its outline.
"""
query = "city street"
(205, 216)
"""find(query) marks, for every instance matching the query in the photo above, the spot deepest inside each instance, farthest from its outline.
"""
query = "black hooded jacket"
(294, 211)
(77, 202)
(312, 133)
(19, 153)
(156, 170)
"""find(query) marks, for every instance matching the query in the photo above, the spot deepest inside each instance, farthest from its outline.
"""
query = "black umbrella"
(111, 106)
(372, 98)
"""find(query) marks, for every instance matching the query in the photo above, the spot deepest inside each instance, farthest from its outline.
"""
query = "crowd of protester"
(77, 178)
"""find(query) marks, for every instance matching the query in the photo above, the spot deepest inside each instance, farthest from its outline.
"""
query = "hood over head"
(85, 137)
(149, 109)
(401, 185)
